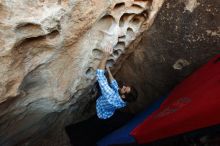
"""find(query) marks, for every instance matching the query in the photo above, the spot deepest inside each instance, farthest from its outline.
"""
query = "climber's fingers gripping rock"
(108, 51)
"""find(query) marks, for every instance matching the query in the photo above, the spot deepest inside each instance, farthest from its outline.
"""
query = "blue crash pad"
(122, 135)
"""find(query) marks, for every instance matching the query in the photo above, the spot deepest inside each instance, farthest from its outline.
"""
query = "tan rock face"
(48, 56)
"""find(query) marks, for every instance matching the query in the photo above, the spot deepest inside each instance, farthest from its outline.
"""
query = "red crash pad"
(193, 104)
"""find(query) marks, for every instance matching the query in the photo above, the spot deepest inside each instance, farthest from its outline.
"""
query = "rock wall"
(185, 35)
(48, 56)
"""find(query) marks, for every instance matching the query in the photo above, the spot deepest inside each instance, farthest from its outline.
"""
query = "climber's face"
(124, 90)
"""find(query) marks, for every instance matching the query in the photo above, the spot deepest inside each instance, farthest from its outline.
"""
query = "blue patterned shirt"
(110, 99)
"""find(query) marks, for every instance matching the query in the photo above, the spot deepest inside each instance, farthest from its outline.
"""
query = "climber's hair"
(131, 96)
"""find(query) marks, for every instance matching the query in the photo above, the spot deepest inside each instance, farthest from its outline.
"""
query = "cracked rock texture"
(184, 36)
(48, 56)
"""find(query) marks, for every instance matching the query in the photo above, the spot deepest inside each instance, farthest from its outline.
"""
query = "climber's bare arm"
(109, 73)
(106, 54)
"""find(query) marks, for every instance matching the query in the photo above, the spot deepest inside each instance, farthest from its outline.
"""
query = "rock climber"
(112, 96)
(107, 119)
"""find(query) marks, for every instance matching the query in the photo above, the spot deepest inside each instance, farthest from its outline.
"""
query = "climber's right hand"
(108, 51)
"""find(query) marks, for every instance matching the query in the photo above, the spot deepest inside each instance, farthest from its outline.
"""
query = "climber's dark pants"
(88, 132)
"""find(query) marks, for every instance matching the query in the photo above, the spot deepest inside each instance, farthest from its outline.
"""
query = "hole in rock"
(33, 81)
(120, 46)
(53, 34)
(119, 5)
(97, 53)
(135, 9)
(29, 30)
(140, 3)
(35, 46)
(130, 33)
(105, 22)
(129, 30)
(110, 62)
(125, 17)
(28, 27)
(145, 14)
(35, 42)
(90, 73)
(122, 38)
(116, 53)
(137, 6)
(135, 21)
